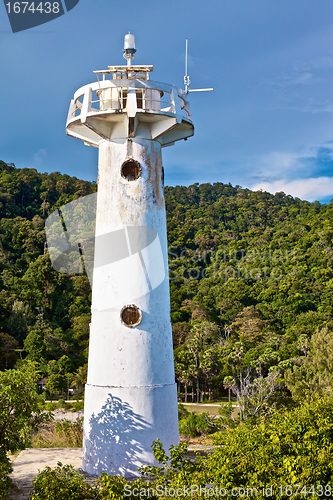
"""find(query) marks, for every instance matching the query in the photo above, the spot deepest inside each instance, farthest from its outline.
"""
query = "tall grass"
(60, 434)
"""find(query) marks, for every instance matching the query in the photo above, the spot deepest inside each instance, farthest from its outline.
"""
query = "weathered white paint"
(122, 433)
(131, 396)
(132, 366)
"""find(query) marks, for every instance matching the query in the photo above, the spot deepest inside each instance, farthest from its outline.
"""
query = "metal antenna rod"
(187, 80)
(186, 77)
(186, 59)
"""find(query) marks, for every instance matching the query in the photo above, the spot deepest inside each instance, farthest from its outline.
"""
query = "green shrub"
(79, 405)
(288, 448)
(196, 424)
(5, 481)
(182, 412)
(192, 424)
(21, 412)
(62, 404)
(113, 487)
(62, 483)
(51, 406)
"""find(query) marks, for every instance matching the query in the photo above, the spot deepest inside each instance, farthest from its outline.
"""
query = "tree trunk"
(204, 394)
(185, 393)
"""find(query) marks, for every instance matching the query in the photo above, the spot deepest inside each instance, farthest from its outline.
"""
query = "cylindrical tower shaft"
(130, 398)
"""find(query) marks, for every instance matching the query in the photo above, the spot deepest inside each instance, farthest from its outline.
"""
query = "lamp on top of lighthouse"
(129, 48)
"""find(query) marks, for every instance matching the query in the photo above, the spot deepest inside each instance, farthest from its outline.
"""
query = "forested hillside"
(250, 275)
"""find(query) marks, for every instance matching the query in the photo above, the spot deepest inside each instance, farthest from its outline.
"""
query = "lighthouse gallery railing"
(111, 96)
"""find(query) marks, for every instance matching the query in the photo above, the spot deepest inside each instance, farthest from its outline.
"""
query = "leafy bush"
(21, 412)
(182, 412)
(79, 405)
(21, 408)
(51, 406)
(62, 404)
(113, 487)
(291, 447)
(5, 481)
(194, 424)
(228, 417)
(62, 483)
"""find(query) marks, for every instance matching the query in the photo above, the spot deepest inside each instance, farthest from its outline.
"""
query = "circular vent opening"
(131, 170)
(131, 316)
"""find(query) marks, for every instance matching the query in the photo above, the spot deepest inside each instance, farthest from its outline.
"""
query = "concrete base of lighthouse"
(120, 425)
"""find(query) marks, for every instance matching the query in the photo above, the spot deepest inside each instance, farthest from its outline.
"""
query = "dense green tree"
(313, 372)
(19, 320)
(8, 350)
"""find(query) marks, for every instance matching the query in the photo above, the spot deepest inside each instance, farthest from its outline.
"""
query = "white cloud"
(39, 157)
(278, 164)
(322, 61)
(303, 87)
(314, 188)
(303, 78)
(289, 166)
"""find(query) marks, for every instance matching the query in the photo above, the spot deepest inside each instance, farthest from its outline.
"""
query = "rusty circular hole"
(131, 170)
(131, 316)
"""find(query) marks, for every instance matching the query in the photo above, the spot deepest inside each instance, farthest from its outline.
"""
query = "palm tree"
(228, 383)
(80, 378)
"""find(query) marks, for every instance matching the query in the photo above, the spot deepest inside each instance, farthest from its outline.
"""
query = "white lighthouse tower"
(130, 395)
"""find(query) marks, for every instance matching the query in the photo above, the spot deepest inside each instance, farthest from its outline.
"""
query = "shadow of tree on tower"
(114, 440)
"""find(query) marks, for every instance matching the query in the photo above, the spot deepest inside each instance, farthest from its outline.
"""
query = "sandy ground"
(29, 462)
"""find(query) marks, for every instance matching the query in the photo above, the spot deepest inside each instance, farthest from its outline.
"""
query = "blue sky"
(267, 124)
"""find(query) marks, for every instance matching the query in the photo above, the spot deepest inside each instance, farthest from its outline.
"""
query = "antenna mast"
(187, 80)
